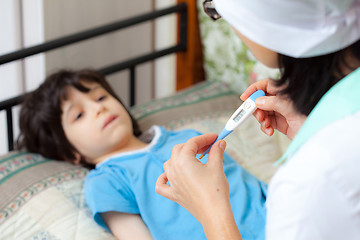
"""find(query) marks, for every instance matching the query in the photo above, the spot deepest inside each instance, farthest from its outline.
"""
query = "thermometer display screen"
(239, 115)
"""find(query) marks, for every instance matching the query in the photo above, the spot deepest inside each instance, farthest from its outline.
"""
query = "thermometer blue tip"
(221, 136)
(257, 94)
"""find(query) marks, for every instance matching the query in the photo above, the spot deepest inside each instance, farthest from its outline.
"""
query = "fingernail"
(260, 101)
(267, 131)
(222, 145)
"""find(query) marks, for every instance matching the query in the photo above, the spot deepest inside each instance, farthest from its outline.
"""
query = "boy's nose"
(99, 108)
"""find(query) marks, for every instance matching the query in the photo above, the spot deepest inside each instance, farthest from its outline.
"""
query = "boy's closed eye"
(101, 98)
(78, 116)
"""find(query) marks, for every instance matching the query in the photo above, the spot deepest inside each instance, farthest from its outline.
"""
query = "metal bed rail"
(130, 64)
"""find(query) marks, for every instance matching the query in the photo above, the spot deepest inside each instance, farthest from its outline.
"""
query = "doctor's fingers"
(271, 104)
(173, 158)
(185, 152)
(267, 85)
(197, 144)
(176, 150)
(266, 122)
(162, 188)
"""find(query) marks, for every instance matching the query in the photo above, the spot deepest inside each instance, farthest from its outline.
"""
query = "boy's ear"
(77, 159)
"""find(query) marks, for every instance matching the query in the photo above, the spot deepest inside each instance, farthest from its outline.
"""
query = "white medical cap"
(296, 28)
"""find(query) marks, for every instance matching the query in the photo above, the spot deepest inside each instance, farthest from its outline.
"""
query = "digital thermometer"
(239, 116)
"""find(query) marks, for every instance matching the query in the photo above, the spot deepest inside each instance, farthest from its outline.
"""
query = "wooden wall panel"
(189, 64)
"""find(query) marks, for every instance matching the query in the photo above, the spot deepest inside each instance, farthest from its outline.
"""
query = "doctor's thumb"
(277, 104)
(216, 152)
(268, 103)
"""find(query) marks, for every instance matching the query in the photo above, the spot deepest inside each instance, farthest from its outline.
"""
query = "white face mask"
(296, 28)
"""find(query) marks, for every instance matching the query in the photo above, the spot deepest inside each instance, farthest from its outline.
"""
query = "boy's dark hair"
(40, 116)
(308, 79)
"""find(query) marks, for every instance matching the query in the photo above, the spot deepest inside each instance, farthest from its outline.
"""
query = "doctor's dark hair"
(308, 79)
(40, 116)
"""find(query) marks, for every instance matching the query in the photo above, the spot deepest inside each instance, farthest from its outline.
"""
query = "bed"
(42, 198)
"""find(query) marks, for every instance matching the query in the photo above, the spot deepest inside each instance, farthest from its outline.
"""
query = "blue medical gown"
(126, 183)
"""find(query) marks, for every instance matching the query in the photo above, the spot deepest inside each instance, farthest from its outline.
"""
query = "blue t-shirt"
(126, 183)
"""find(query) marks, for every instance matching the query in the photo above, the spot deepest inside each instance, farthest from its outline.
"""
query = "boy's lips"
(109, 120)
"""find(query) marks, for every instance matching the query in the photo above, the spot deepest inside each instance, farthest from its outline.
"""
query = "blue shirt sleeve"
(107, 191)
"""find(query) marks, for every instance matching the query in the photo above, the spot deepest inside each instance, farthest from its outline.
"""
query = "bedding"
(42, 198)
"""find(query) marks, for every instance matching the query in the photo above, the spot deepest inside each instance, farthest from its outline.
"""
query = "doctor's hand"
(200, 188)
(274, 111)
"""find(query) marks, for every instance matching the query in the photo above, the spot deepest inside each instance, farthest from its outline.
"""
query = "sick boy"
(75, 116)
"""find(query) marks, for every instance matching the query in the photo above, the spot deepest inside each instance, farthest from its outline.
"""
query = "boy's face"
(95, 122)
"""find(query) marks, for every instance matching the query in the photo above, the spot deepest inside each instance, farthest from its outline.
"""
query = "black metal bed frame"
(130, 64)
